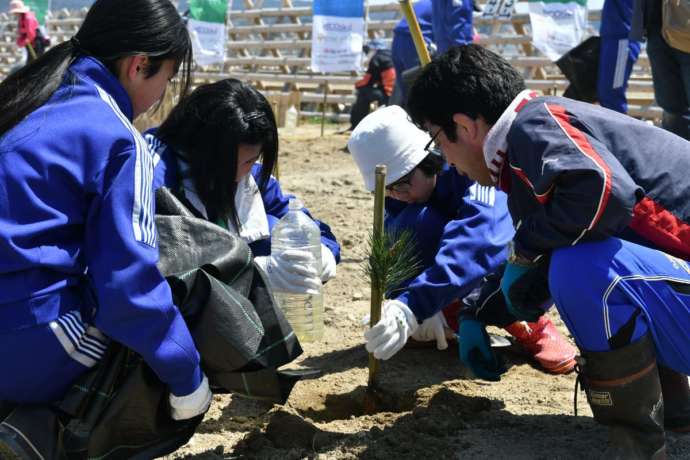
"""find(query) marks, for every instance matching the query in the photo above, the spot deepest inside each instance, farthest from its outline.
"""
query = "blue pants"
(671, 76)
(615, 289)
(404, 57)
(38, 363)
(617, 54)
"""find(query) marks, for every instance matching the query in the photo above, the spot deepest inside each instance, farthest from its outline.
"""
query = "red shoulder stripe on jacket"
(542, 198)
(577, 137)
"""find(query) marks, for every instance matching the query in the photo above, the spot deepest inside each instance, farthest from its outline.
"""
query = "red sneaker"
(543, 341)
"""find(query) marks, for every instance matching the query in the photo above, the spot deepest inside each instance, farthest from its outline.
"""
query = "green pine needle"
(392, 259)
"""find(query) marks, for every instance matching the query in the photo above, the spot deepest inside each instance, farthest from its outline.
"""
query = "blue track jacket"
(274, 201)
(461, 234)
(77, 225)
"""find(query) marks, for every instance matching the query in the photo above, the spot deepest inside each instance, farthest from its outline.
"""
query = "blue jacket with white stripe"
(461, 234)
(77, 230)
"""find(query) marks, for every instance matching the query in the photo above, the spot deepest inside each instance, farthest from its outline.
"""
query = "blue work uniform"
(167, 173)
(78, 246)
(452, 23)
(613, 292)
(461, 234)
(604, 195)
(618, 54)
(404, 52)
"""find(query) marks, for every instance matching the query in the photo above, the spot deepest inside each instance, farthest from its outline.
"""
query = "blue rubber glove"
(475, 351)
(519, 279)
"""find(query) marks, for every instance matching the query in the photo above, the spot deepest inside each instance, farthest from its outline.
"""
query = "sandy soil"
(432, 407)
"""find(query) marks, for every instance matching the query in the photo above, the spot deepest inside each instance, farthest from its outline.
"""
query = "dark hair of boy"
(112, 29)
(206, 129)
(466, 79)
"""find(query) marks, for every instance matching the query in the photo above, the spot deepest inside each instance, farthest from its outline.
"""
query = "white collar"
(496, 142)
(248, 204)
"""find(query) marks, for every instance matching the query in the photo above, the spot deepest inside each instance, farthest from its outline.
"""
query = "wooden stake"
(32, 51)
(376, 290)
(323, 107)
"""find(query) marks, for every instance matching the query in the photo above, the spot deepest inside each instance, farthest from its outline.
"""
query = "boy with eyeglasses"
(461, 230)
(602, 218)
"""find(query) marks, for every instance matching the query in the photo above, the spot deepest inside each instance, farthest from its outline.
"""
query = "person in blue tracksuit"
(77, 234)
(602, 218)
(404, 52)
(617, 55)
(452, 23)
(460, 229)
(208, 148)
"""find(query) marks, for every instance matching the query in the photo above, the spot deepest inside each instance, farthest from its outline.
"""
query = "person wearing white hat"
(461, 230)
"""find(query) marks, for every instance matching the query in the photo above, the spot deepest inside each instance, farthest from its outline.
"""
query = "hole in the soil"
(359, 402)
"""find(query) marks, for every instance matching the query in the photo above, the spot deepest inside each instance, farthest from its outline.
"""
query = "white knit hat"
(387, 137)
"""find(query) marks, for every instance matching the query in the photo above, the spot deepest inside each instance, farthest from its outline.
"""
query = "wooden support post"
(376, 290)
(323, 107)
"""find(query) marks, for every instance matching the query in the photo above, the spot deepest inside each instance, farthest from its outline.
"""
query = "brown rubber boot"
(624, 393)
(676, 391)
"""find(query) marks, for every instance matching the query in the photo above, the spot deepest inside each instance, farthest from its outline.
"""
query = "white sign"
(337, 44)
(557, 26)
(208, 41)
(206, 27)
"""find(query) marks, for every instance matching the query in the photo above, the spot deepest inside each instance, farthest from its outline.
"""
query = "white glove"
(262, 263)
(390, 334)
(327, 263)
(191, 405)
(433, 328)
(293, 271)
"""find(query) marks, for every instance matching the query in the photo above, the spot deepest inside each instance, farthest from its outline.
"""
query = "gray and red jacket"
(578, 172)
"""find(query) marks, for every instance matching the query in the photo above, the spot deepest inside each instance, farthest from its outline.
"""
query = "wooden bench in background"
(270, 48)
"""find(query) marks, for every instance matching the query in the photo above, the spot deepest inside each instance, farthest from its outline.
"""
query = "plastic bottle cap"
(295, 204)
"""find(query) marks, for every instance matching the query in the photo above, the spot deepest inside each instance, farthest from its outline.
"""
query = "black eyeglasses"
(430, 146)
(402, 185)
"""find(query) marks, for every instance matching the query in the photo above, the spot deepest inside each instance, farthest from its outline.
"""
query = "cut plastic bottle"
(296, 231)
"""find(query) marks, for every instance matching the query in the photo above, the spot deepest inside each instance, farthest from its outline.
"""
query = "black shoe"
(29, 433)
(13, 446)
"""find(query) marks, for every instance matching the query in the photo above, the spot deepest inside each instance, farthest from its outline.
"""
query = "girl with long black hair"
(77, 236)
(209, 147)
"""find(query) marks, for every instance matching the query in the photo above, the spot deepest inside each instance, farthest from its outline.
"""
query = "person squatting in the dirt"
(461, 229)
(209, 147)
(601, 208)
(77, 234)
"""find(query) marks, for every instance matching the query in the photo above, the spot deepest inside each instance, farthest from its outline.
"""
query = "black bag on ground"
(120, 409)
(240, 332)
(580, 66)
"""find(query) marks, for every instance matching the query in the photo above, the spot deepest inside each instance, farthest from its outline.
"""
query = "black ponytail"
(112, 29)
